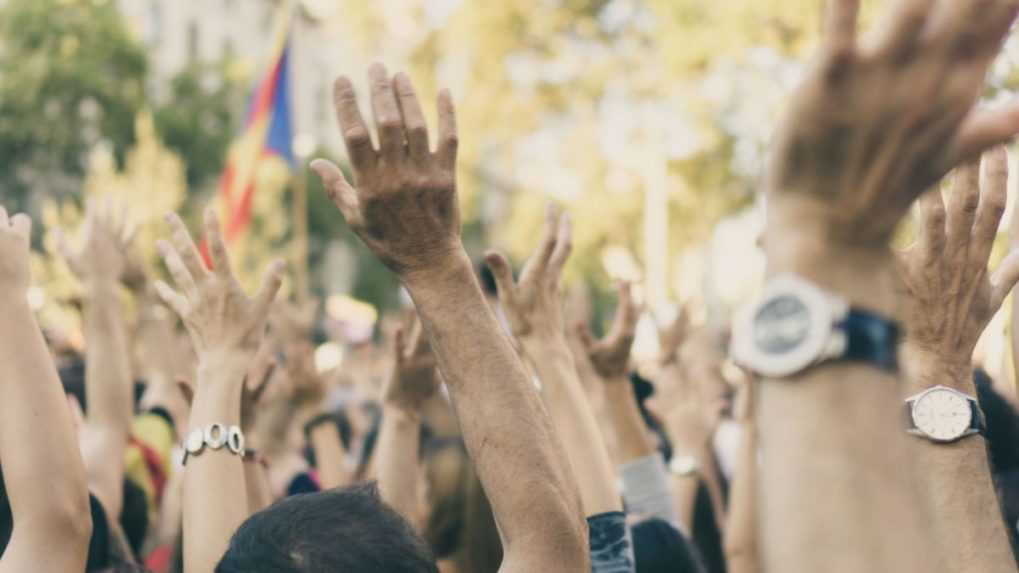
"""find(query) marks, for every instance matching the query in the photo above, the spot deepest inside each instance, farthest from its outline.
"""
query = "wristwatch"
(943, 414)
(214, 437)
(684, 466)
(795, 325)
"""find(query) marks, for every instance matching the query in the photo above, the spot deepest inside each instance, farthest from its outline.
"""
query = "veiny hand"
(106, 239)
(951, 296)
(415, 378)
(218, 315)
(610, 356)
(404, 206)
(532, 305)
(875, 124)
(14, 245)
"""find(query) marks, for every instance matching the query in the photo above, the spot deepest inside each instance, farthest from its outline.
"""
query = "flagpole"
(302, 289)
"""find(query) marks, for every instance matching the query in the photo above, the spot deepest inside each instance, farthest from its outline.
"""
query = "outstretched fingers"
(448, 140)
(501, 272)
(993, 195)
(271, 282)
(983, 129)
(840, 33)
(413, 118)
(338, 189)
(387, 114)
(563, 246)
(1004, 279)
(355, 132)
(963, 200)
(217, 248)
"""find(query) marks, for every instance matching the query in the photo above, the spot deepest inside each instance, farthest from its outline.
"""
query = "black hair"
(642, 390)
(658, 547)
(487, 280)
(348, 529)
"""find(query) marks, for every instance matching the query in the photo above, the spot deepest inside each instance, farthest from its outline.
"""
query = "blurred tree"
(71, 78)
(151, 184)
(200, 117)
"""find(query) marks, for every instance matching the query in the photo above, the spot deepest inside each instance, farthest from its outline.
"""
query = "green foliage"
(200, 118)
(71, 77)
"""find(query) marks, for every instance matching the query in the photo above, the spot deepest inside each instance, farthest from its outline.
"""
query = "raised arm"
(413, 381)
(871, 127)
(109, 389)
(226, 328)
(51, 515)
(533, 307)
(951, 298)
(405, 209)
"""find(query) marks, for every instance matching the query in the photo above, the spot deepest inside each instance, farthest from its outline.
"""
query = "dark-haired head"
(348, 529)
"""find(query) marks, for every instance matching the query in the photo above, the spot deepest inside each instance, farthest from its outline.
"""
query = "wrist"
(925, 368)
(402, 413)
(545, 345)
(222, 367)
(442, 271)
(799, 239)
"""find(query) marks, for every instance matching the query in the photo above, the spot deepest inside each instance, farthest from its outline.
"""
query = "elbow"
(68, 516)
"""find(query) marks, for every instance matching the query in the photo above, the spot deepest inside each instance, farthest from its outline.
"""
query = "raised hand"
(951, 294)
(217, 313)
(415, 378)
(532, 305)
(255, 384)
(14, 246)
(610, 355)
(875, 123)
(672, 335)
(106, 238)
(306, 386)
(403, 203)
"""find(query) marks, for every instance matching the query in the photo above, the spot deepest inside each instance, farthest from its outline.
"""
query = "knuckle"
(389, 123)
(356, 135)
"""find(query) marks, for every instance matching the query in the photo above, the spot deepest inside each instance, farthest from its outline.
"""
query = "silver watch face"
(942, 414)
(781, 325)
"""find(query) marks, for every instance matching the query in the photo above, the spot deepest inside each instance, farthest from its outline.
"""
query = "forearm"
(959, 483)
(576, 425)
(626, 422)
(518, 456)
(37, 439)
(839, 425)
(645, 479)
(398, 462)
(330, 457)
(741, 552)
(256, 484)
(108, 391)
(215, 500)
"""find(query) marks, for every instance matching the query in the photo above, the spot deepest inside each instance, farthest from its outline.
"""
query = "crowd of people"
(838, 424)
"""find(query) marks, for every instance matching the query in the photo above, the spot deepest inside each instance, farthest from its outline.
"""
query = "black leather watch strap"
(871, 338)
(977, 421)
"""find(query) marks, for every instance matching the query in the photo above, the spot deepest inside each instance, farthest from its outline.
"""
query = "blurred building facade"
(180, 33)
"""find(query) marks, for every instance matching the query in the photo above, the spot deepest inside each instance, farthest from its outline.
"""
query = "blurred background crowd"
(656, 111)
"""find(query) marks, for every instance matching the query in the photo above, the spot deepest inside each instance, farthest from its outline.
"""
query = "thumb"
(500, 268)
(339, 190)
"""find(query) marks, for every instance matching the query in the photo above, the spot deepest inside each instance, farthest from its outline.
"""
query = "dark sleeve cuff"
(610, 543)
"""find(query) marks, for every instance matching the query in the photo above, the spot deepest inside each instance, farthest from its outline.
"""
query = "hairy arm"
(405, 210)
(51, 516)
(951, 296)
(519, 459)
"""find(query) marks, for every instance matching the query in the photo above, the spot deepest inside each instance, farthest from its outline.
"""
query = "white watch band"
(215, 436)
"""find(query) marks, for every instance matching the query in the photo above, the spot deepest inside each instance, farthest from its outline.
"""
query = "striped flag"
(267, 136)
